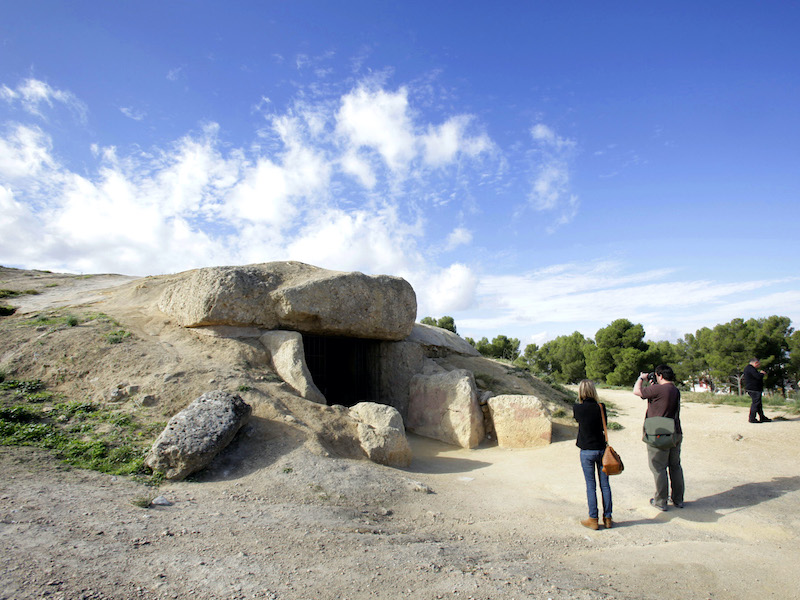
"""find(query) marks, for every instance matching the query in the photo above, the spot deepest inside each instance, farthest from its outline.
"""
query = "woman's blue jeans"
(591, 461)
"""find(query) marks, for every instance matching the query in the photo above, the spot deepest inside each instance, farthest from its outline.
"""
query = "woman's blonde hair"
(586, 390)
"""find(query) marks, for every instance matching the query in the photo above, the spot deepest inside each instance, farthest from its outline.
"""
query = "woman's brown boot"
(590, 523)
(608, 522)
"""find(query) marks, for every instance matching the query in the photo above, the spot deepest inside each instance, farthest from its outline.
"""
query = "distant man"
(754, 386)
(664, 400)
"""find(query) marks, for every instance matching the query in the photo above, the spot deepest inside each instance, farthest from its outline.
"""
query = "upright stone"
(288, 359)
(521, 421)
(444, 405)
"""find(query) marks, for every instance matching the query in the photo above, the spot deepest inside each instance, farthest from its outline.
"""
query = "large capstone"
(194, 436)
(294, 296)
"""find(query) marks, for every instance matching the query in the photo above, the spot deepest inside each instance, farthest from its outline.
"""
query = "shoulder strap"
(603, 416)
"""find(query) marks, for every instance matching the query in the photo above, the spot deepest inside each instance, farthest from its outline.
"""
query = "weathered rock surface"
(293, 295)
(382, 434)
(444, 405)
(521, 421)
(194, 436)
(400, 362)
(437, 340)
(286, 351)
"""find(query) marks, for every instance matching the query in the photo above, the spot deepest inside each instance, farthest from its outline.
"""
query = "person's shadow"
(707, 509)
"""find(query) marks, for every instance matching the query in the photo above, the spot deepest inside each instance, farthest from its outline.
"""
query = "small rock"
(161, 501)
(149, 400)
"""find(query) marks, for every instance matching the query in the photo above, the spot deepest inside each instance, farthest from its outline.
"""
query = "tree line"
(619, 352)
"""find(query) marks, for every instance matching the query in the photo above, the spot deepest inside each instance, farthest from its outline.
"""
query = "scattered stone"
(382, 434)
(160, 501)
(194, 436)
(149, 400)
(418, 486)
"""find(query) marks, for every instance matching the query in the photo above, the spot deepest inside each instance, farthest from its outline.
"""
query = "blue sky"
(532, 168)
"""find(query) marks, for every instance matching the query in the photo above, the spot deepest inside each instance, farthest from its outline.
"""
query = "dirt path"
(501, 524)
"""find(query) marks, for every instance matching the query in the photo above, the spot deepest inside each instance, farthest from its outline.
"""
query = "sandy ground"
(500, 524)
(271, 520)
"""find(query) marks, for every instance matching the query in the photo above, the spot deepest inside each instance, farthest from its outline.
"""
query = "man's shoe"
(677, 504)
(752, 421)
(590, 523)
(608, 522)
(653, 503)
(765, 420)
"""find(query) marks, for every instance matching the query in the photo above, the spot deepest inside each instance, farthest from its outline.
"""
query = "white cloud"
(174, 74)
(458, 237)
(32, 94)
(24, 152)
(444, 142)
(131, 113)
(551, 188)
(593, 295)
(542, 133)
(446, 291)
(378, 120)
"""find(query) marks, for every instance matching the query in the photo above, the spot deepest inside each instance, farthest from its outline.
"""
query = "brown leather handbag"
(612, 463)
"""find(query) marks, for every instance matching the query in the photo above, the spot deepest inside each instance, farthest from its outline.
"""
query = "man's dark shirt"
(753, 380)
(663, 400)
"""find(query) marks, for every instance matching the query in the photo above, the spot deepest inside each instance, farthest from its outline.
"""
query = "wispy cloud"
(550, 188)
(35, 95)
(592, 295)
(131, 113)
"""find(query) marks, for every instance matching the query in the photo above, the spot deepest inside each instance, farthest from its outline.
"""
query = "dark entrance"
(345, 370)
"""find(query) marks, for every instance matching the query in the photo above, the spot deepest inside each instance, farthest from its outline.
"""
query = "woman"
(592, 443)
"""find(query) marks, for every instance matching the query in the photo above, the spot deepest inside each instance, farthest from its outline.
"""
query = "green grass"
(76, 431)
(116, 337)
(4, 293)
(54, 320)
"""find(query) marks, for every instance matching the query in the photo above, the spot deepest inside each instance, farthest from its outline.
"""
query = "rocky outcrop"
(444, 405)
(295, 296)
(381, 434)
(521, 421)
(194, 436)
(286, 352)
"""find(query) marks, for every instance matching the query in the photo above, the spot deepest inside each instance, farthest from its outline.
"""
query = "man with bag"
(663, 434)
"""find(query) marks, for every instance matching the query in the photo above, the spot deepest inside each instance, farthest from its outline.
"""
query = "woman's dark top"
(590, 425)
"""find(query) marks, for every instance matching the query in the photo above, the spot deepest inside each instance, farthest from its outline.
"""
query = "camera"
(651, 377)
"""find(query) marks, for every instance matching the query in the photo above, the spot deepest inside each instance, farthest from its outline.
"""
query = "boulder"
(295, 296)
(288, 359)
(444, 405)
(381, 434)
(194, 436)
(521, 421)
